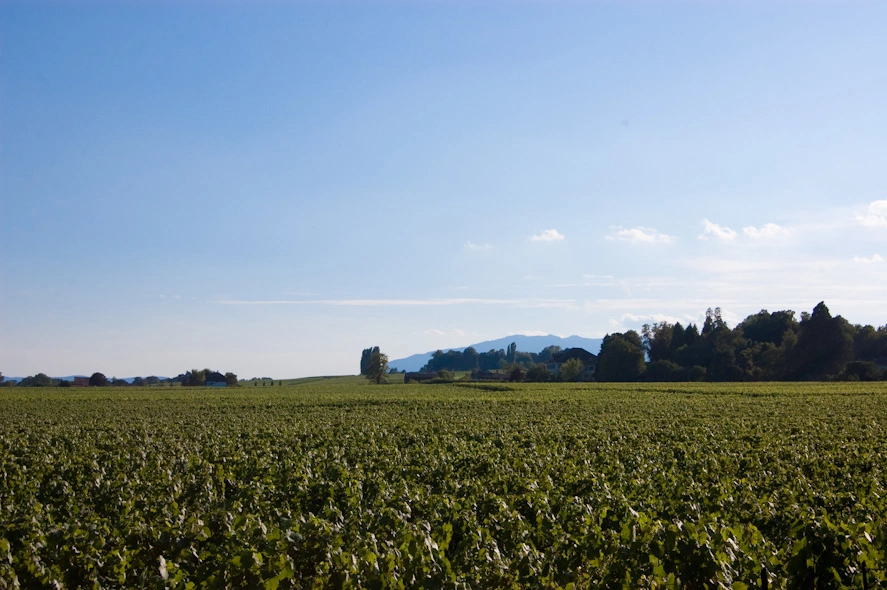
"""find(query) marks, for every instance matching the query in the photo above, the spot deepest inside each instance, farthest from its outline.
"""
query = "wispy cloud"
(877, 215)
(469, 245)
(549, 235)
(436, 332)
(876, 259)
(640, 235)
(529, 302)
(770, 230)
(714, 231)
(631, 321)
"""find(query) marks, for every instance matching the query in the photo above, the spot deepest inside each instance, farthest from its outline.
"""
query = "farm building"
(216, 379)
(588, 360)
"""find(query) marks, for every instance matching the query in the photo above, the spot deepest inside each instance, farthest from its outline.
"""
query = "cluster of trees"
(198, 378)
(494, 360)
(374, 365)
(763, 347)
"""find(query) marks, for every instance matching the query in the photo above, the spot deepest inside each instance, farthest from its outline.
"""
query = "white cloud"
(454, 332)
(770, 230)
(549, 235)
(469, 245)
(650, 318)
(876, 259)
(877, 216)
(640, 235)
(717, 232)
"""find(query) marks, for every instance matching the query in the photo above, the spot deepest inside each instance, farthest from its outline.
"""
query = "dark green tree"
(98, 380)
(492, 360)
(230, 379)
(571, 370)
(196, 378)
(723, 347)
(664, 370)
(677, 340)
(768, 327)
(713, 320)
(365, 357)
(470, 359)
(38, 380)
(621, 357)
(825, 345)
(870, 344)
(861, 371)
(377, 370)
(658, 340)
(539, 373)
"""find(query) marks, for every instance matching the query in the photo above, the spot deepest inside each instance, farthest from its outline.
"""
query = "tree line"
(193, 378)
(763, 347)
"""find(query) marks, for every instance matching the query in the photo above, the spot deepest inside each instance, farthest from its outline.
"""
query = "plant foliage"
(456, 486)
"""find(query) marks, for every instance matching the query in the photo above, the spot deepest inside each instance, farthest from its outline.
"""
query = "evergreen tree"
(377, 369)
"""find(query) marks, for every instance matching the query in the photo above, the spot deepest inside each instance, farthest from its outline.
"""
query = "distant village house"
(588, 360)
(216, 379)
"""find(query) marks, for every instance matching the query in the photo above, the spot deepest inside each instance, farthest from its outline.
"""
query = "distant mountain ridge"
(524, 344)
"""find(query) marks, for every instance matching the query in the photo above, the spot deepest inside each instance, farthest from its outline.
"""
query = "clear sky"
(268, 188)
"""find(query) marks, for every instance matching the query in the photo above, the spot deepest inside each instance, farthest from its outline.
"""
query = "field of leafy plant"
(453, 486)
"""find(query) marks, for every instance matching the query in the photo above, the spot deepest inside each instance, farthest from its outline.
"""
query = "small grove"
(456, 486)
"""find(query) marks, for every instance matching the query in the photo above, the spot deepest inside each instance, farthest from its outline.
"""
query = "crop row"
(446, 486)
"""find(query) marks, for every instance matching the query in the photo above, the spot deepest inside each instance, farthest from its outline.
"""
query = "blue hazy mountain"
(524, 344)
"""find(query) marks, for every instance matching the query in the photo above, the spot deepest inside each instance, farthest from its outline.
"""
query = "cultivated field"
(325, 484)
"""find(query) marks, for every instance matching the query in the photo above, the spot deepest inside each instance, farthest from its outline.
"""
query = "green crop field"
(328, 484)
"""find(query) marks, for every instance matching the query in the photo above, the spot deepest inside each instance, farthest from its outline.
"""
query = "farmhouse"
(588, 360)
(216, 379)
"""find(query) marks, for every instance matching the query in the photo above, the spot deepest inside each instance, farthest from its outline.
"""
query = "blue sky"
(269, 188)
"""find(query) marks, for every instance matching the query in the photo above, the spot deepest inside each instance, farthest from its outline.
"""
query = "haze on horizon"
(268, 188)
